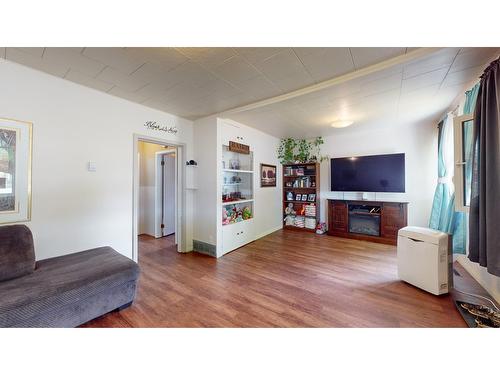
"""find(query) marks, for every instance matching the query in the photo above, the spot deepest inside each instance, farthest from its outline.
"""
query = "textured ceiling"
(196, 82)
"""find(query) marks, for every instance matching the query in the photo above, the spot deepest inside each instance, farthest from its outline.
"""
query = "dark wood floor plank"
(286, 279)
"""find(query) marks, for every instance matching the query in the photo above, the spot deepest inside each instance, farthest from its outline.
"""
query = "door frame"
(158, 198)
(181, 196)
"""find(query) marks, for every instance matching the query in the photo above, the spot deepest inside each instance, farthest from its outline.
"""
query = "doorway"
(166, 193)
(158, 194)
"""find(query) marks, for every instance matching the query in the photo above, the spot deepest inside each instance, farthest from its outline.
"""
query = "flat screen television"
(375, 173)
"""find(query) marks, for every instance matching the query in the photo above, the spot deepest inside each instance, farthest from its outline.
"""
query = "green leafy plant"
(286, 150)
(293, 150)
(304, 151)
(316, 146)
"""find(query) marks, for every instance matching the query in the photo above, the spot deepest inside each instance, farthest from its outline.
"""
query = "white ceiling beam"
(401, 59)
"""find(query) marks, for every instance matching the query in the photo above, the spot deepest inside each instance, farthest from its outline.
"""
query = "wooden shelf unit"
(313, 172)
(393, 216)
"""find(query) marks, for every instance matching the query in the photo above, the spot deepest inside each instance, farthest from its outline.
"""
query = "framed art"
(304, 197)
(267, 175)
(15, 170)
(311, 198)
(298, 197)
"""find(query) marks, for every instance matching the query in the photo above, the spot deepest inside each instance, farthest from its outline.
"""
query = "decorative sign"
(153, 125)
(239, 147)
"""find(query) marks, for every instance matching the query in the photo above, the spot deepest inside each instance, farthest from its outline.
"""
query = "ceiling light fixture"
(342, 124)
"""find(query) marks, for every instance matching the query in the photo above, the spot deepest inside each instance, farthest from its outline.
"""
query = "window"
(463, 126)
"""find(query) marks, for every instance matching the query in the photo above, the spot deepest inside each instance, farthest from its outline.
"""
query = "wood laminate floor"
(286, 279)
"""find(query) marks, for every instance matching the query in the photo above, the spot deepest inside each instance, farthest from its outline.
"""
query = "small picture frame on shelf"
(298, 197)
(289, 196)
(311, 197)
(304, 197)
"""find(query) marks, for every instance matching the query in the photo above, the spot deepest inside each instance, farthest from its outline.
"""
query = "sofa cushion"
(59, 282)
(17, 256)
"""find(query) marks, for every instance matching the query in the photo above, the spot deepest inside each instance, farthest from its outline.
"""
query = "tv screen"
(376, 173)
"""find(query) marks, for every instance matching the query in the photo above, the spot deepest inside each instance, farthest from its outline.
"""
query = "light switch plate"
(91, 166)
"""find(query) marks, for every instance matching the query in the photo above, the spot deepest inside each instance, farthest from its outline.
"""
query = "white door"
(169, 207)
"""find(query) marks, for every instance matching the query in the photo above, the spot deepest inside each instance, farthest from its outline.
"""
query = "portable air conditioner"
(425, 259)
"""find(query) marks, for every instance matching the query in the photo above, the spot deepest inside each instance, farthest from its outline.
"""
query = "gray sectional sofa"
(66, 291)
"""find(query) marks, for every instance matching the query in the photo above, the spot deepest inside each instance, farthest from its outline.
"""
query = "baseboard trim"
(268, 232)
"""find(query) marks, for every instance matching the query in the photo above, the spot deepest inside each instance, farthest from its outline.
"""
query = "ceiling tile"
(188, 72)
(365, 56)
(439, 60)
(208, 57)
(325, 63)
(57, 68)
(256, 55)
(117, 78)
(168, 58)
(236, 70)
(74, 58)
(220, 88)
(282, 66)
(381, 85)
(34, 51)
(115, 57)
(259, 86)
(411, 49)
(294, 81)
(85, 80)
(463, 76)
(124, 94)
(471, 57)
(423, 80)
(154, 89)
(153, 72)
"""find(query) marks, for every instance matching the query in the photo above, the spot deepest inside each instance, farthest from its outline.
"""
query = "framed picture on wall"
(267, 175)
(15, 170)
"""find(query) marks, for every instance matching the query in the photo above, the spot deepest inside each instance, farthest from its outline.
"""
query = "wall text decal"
(153, 125)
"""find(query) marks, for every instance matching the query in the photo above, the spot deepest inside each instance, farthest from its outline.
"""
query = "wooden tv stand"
(373, 221)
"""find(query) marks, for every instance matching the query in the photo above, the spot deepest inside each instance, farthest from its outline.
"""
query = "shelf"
(292, 227)
(301, 202)
(236, 222)
(299, 188)
(300, 176)
(236, 170)
(232, 184)
(364, 213)
(236, 202)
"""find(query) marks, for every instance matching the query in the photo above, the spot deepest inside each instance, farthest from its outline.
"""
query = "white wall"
(72, 209)
(205, 144)
(419, 143)
(147, 186)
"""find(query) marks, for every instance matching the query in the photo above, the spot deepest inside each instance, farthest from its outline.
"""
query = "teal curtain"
(470, 99)
(443, 214)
